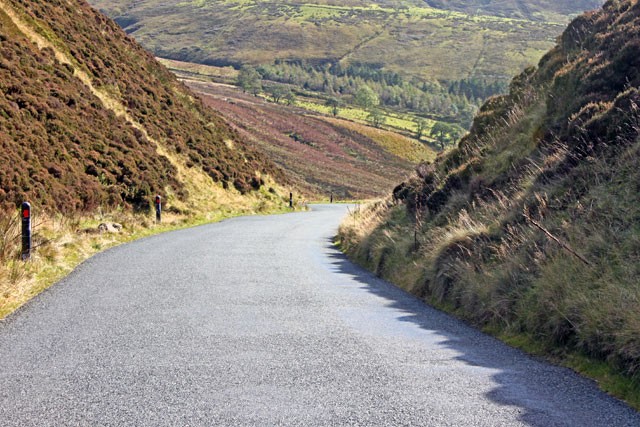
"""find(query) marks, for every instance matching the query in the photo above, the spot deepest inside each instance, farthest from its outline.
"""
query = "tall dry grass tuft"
(12, 271)
(9, 235)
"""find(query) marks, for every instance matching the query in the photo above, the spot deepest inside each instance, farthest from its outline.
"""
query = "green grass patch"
(397, 144)
(391, 120)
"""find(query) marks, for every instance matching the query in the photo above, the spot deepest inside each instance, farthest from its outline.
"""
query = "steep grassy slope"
(320, 155)
(452, 40)
(88, 118)
(531, 226)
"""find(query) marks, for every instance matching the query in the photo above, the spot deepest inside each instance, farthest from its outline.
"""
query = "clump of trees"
(250, 80)
(445, 134)
(451, 104)
(454, 101)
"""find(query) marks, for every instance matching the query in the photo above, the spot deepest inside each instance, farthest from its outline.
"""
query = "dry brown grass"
(532, 225)
(393, 142)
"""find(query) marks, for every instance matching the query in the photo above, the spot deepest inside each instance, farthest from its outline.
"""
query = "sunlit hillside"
(441, 40)
(530, 227)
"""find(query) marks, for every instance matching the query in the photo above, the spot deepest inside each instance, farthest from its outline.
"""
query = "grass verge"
(495, 297)
(61, 243)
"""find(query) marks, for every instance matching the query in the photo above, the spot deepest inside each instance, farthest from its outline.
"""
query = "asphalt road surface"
(261, 321)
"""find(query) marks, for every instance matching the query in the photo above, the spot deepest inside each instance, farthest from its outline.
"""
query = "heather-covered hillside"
(320, 154)
(531, 226)
(88, 118)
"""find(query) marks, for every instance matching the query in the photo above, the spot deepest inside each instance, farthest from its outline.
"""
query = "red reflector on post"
(26, 213)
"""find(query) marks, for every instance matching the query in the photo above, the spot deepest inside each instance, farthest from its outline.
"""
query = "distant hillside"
(88, 118)
(544, 10)
(444, 40)
(531, 227)
(321, 155)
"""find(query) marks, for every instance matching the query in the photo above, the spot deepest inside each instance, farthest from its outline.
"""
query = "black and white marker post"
(26, 231)
(158, 209)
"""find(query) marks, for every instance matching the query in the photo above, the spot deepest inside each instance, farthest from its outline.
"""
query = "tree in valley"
(277, 92)
(445, 134)
(290, 97)
(366, 98)
(249, 80)
(376, 117)
(334, 105)
(421, 126)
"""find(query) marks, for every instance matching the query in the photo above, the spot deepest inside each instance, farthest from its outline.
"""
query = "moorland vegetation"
(320, 153)
(545, 10)
(439, 60)
(530, 226)
(64, 147)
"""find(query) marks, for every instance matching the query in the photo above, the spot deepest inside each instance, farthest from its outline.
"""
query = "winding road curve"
(261, 321)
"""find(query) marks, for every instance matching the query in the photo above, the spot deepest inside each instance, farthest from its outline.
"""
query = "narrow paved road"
(261, 321)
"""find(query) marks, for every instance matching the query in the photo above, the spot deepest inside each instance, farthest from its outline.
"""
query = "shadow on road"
(546, 395)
